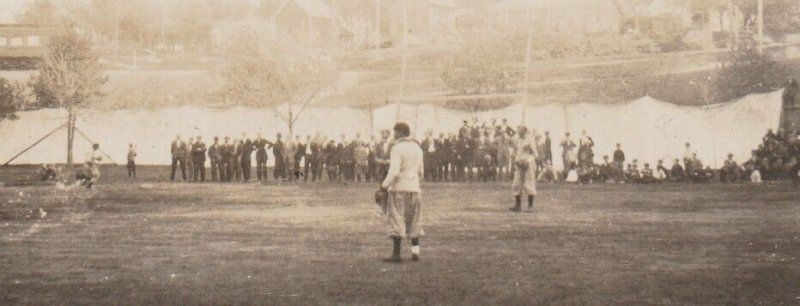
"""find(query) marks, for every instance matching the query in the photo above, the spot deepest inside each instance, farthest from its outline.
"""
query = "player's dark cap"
(402, 130)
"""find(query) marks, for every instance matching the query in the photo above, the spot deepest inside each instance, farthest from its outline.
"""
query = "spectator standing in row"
(260, 145)
(189, 163)
(431, 148)
(548, 148)
(278, 151)
(247, 157)
(131, 161)
(297, 157)
(199, 160)
(179, 153)
(586, 150)
(214, 157)
(568, 152)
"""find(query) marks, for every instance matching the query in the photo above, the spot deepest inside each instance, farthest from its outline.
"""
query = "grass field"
(323, 244)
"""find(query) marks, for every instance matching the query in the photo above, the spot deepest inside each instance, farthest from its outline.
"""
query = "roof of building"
(443, 3)
(314, 8)
(525, 5)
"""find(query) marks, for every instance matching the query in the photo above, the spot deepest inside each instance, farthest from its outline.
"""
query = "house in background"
(428, 20)
(707, 24)
(660, 18)
(569, 17)
(312, 21)
(22, 46)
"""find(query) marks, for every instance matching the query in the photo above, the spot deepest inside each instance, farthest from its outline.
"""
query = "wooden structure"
(312, 21)
(21, 46)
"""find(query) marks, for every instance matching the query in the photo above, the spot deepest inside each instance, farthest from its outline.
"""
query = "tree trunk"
(70, 136)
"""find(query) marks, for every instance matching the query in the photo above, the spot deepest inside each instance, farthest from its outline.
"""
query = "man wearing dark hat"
(225, 153)
(278, 150)
(382, 150)
(179, 152)
(214, 156)
(504, 130)
(246, 157)
(403, 207)
(260, 145)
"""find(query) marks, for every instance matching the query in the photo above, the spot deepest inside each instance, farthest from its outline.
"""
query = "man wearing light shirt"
(403, 185)
(430, 149)
(382, 150)
(687, 158)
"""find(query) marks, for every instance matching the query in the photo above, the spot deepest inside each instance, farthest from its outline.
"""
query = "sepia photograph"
(399, 152)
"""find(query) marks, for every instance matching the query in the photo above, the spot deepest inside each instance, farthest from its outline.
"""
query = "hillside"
(365, 81)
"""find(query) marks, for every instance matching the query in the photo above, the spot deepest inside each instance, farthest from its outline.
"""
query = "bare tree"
(69, 76)
(260, 70)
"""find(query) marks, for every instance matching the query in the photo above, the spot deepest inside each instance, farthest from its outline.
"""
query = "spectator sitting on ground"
(697, 172)
(635, 174)
(755, 176)
(585, 174)
(775, 154)
(647, 174)
(628, 173)
(661, 174)
(547, 175)
(677, 174)
(708, 173)
(606, 170)
(48, 173)
(730, 172)
(487, 168)
(572, 175)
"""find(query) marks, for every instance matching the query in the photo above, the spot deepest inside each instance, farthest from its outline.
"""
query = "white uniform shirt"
(405, 168)
(93, 156)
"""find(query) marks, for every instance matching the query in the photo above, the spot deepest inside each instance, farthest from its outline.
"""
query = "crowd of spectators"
(476, 152)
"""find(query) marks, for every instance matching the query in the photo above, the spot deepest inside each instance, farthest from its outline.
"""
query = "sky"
(9, 9)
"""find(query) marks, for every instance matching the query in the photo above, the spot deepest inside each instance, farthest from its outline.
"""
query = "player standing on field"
(524, 170)
(403, 207)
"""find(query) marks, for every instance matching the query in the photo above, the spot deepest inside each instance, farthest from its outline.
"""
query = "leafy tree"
(69, 77)
(11, 100)
(747, 71)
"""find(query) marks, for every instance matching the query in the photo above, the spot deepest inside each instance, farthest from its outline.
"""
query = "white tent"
(648, 129)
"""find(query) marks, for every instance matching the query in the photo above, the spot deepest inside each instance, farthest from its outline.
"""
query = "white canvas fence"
(647, 128)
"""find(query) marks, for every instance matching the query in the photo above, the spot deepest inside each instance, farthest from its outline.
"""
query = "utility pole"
(163, 26)
(404, 66)
(378, 28)
(731, 25)
(337, 24)
(525, 85)
(116, 28)
(761, 26)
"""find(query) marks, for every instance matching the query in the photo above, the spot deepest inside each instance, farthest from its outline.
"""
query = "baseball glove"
(522, 164)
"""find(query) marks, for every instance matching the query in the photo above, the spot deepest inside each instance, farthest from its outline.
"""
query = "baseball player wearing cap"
(524, 169)
(403, 207)
(93, 158)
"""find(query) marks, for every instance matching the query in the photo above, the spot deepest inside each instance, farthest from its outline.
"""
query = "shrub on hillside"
(747, 71)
